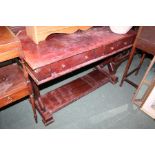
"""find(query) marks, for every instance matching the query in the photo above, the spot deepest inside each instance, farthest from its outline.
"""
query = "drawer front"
(82, 58)
(60, 66)
(42, 73)
(113, 47)
(118, 45)
(13, 97)
(100, 51)
(73, 62)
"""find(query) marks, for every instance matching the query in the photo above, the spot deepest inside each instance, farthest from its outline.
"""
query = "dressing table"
(61, 54)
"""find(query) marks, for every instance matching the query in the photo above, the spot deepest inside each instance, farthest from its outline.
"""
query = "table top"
(61, 46)
(9, 44)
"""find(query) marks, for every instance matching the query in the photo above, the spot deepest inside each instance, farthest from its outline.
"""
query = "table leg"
(47, 116)
(110, 73)
(37, 95)
(31, 96)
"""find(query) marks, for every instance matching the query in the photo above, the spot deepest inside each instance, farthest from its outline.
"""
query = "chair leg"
(142, 81)
(128, 65)
(140, 64)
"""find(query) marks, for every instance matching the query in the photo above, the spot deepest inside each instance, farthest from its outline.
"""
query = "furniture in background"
(145, 93)
(63, 54)
(14, 82)
(9, 45)
(149, 104)
(40, 33)
(149, 83)
(145, 41)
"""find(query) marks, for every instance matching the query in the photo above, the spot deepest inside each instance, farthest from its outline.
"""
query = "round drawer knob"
(53, 74)
(3, 78)
(112, 48)
(63, 65)
(9, 99)
(125, 43)
(36, 71)
(86, 57)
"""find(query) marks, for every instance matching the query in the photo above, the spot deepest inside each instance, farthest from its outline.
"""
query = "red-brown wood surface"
(10, 46)
(112, 44)
(63, 46)
(61, 97)
(146, 39)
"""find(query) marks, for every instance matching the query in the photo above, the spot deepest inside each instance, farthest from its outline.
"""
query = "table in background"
(14, 84)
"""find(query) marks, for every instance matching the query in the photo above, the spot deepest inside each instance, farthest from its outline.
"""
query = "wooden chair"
(137, 99)
(145, 41)
(14, 81)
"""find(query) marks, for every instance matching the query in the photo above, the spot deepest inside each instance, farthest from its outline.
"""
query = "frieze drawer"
(72, 63)
(118, 45)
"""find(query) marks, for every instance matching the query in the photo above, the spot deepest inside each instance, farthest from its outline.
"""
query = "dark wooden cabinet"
(14, 82)
(13, 85)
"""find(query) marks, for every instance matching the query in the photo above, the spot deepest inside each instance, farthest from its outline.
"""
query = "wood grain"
(13, 85)
(60, 47)
(61, 97)
(10, 46)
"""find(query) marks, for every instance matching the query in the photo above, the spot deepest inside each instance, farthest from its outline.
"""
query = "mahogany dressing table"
(64, 53)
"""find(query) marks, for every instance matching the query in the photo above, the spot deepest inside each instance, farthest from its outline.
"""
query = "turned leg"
(47, 117)
(31, 97)
(32, 101)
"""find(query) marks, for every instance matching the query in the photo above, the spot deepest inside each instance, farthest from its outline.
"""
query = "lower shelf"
(60, 97)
